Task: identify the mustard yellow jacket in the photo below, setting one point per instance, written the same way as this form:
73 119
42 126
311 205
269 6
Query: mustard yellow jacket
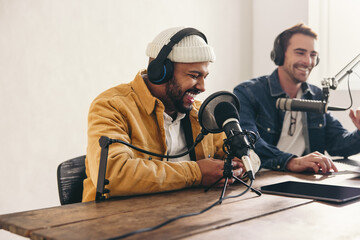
130 113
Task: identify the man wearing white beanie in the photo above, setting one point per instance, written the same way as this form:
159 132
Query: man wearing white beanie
157 112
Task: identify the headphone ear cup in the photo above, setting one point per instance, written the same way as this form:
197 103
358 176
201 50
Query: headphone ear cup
169 70
155 71
272 55
159 73
277 55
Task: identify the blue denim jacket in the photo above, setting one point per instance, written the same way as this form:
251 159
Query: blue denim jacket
259 114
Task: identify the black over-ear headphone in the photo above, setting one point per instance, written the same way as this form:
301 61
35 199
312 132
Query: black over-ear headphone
161 69
278 53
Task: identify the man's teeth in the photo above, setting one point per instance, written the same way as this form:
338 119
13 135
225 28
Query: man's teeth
303 69
191 94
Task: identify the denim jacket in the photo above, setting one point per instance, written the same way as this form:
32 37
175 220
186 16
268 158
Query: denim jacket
259 114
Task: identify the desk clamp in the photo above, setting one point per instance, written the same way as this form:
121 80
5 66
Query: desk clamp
101 191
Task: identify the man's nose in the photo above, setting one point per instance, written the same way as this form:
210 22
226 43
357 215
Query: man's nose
200 85
309 60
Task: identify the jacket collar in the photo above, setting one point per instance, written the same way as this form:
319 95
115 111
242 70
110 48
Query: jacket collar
144 94
276 89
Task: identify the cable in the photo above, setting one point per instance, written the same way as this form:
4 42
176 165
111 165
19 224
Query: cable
149 229
351 99
197 140
350 95
165 223
239 195
348 83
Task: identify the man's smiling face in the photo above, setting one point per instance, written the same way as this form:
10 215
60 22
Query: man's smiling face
187 82
300 57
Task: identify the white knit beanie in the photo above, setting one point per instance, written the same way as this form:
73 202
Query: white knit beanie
190 49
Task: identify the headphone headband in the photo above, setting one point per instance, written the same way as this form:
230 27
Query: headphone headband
186 32
161 69
166 49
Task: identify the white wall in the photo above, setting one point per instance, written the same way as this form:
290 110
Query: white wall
56 56
337 23
269 19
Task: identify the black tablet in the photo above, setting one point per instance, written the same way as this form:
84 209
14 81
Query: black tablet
313 190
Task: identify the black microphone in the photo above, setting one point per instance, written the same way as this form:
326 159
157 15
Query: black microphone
304 105
227 118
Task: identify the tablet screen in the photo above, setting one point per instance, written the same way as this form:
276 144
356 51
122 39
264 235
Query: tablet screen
313 190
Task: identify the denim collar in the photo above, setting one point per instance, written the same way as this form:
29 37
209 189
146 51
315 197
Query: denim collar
276 89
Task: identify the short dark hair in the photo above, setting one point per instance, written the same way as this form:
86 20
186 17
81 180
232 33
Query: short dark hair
285 36
281 42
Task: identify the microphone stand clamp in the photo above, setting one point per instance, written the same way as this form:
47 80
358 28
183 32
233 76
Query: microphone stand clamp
101 191
228 173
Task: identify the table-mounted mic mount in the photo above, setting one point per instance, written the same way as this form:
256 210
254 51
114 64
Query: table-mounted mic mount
102 181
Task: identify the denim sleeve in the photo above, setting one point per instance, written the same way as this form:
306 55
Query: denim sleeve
271 157
339 141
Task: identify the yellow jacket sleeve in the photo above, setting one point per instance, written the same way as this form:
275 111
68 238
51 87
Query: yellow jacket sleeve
130 113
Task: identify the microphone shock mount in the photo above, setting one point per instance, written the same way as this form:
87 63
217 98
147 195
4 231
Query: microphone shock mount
228 167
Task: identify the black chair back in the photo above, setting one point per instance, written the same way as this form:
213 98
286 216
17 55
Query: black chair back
70 177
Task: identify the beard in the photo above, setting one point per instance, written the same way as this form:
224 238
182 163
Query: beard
295 76
176 96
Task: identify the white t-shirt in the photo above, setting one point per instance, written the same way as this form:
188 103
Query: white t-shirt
294 144
175 137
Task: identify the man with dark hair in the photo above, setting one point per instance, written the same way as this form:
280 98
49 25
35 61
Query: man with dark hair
291 140
158 112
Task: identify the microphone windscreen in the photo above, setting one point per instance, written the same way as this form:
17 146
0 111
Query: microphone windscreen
224 111
206 111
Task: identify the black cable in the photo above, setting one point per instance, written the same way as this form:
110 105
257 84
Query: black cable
348 82
165 223
197 140
149 229
251 136
350 95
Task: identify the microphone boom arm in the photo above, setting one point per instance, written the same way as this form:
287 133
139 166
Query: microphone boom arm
348 69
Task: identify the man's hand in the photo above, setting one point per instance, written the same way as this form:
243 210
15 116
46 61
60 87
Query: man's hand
239 165
311 162
212 170
355 117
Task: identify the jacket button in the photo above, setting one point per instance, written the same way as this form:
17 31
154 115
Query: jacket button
320 125
268 129
278 166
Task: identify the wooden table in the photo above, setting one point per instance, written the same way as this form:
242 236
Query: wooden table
246 217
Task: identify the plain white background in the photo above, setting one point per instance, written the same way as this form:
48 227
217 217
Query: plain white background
57 56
